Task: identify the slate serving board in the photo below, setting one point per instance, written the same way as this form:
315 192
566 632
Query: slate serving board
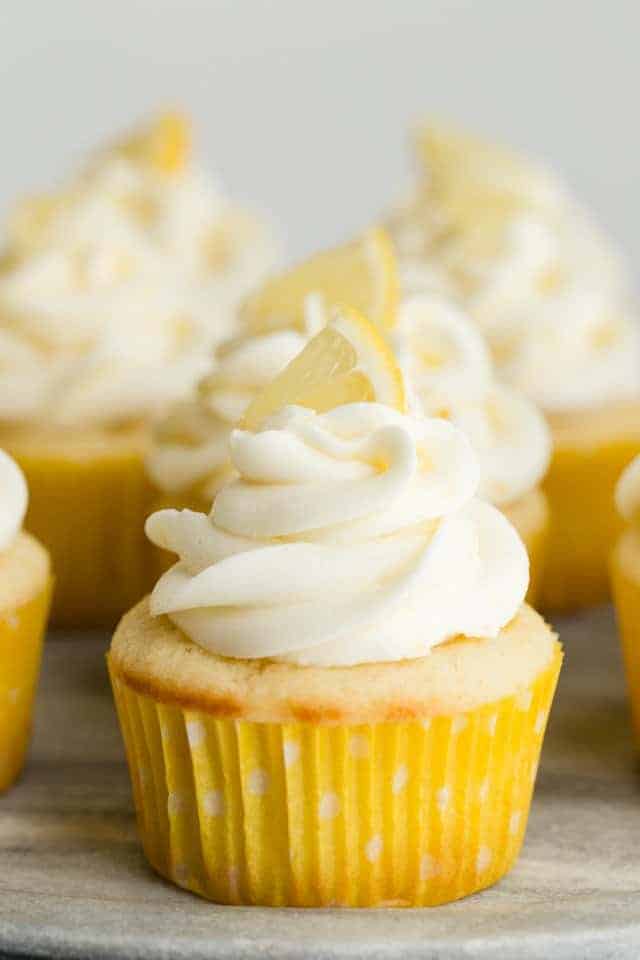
73 882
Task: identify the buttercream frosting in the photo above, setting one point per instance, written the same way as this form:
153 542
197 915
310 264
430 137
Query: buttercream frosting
347 537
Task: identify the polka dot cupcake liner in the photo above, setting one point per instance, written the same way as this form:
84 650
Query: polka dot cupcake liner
89 512
21 635
390 814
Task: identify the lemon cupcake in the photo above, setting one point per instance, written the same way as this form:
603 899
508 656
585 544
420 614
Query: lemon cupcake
336 696
449 370
502 235
188 460
625 582
112 293
25 592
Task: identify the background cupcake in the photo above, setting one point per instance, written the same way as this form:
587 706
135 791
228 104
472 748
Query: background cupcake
112 292
369 748
551 295
625 581
25 592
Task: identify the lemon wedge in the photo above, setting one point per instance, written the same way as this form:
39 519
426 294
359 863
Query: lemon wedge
164 145
349 361
362 273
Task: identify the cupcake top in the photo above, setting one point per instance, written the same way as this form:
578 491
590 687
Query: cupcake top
13 500
348 537
114 289
449 369
501 234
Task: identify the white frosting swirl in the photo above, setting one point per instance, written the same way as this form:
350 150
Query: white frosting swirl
191 448
348 537
548 291
13 500
449 369
627 493
113 292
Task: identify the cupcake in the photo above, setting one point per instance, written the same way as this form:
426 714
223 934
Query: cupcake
113 292
449 369
25 592
336 696
189 460
625 582
551 295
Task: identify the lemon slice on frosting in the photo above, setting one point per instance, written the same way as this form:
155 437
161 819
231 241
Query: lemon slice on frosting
164 145
349 361
361 273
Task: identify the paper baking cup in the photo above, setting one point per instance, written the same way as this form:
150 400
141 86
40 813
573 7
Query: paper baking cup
626 596
21 634
90 515
403 814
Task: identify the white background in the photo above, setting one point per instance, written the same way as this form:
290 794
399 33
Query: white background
303 106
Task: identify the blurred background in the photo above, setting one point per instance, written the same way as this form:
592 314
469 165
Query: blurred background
302 107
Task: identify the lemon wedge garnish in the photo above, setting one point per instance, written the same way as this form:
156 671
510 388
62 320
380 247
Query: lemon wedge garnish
164 145
349 361
362 273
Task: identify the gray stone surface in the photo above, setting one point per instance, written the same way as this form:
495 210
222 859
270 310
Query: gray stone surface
73 882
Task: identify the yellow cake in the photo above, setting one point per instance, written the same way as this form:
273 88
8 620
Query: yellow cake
25 591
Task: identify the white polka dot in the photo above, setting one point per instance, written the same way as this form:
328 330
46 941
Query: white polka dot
291 751
492 723
483 860
213 803
524 700
175 803
514 822
373 849
483 792
233 875
258 782
329 806
181 874
428 867
426 723
442 797
400 778
195 732
14 694
358 746
540 721
12 620
459 724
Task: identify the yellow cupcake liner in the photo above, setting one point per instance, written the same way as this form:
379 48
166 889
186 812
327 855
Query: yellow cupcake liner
580 488
408 814
21 635
90 515
626 596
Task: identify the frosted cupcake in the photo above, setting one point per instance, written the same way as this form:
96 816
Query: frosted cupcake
25 591
551 295
112 293
449 369
340 666
625 581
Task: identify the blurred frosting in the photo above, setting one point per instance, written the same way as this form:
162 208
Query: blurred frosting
449 370
190 449
13 500
114 289
347 537
552 296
